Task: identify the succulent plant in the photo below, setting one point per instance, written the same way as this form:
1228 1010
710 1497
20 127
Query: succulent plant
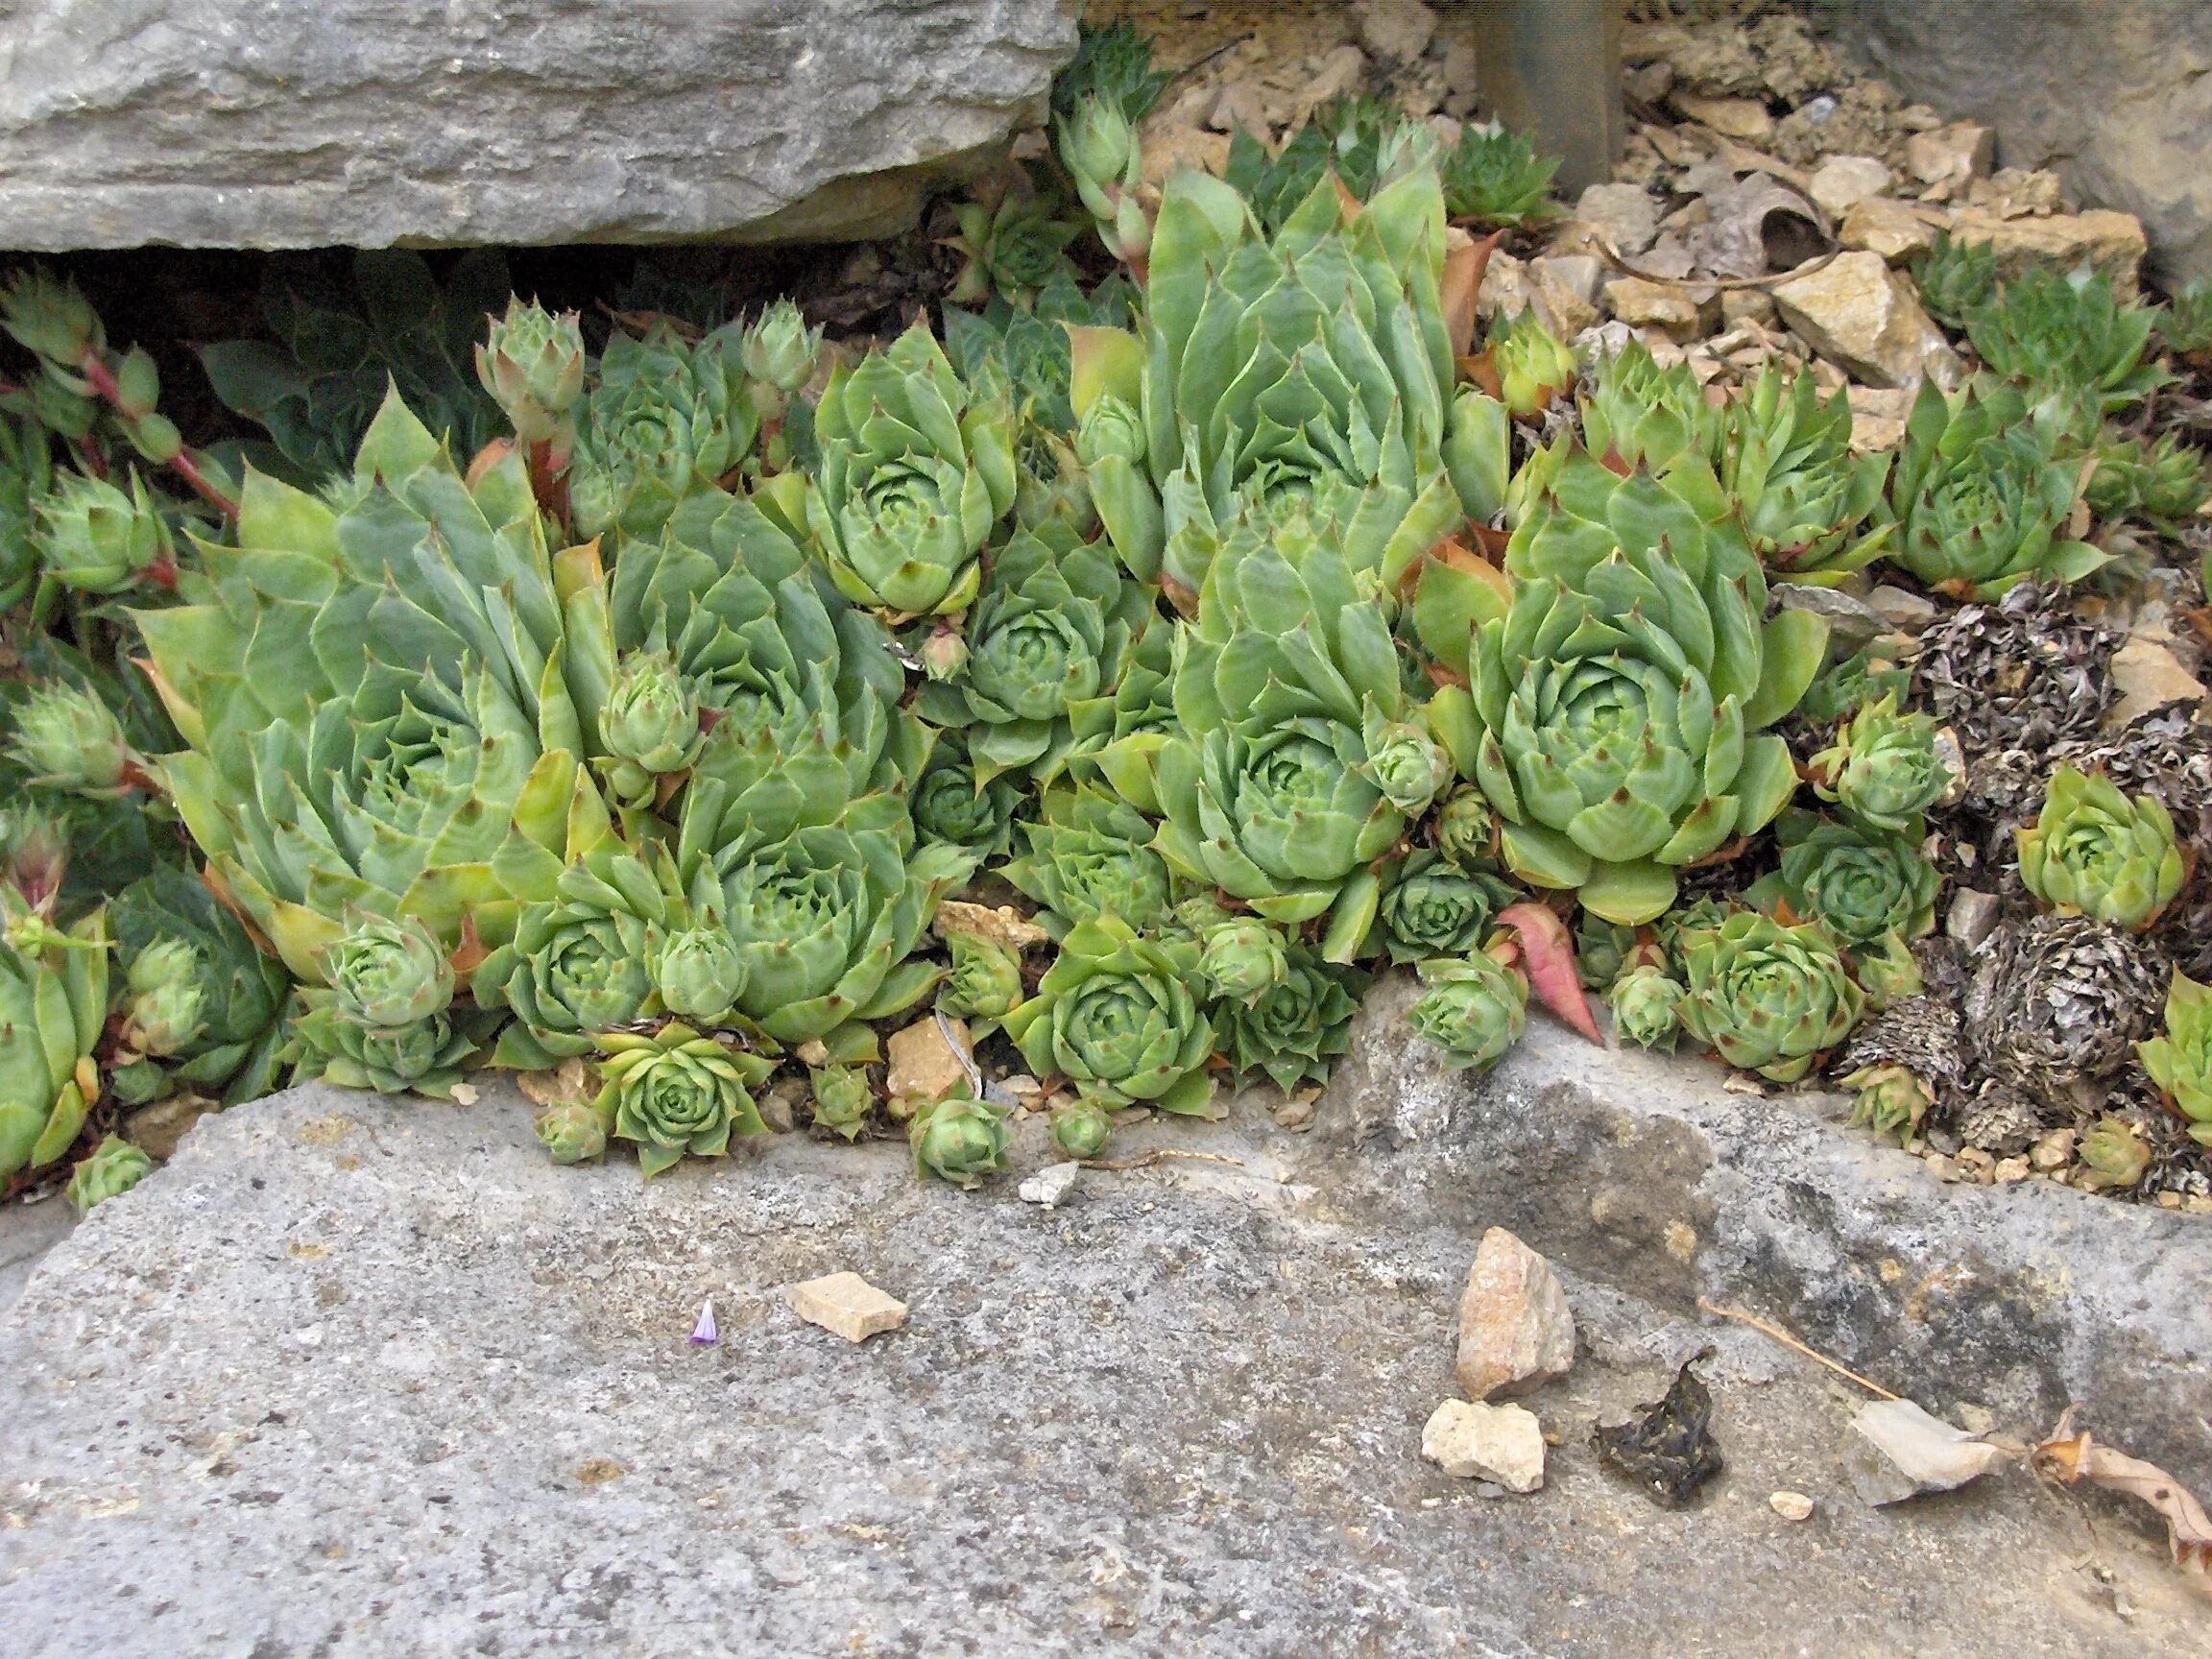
986 978
667 418
1533 367
573 1131
678 1092
1955 279
1846 686
1240 957
26 473
1980 502
1494 175
1859 884
52 1004
67 738
1618 711
97 538
1082 1128
1467 829
1118 1017
1431 908
1767 998
1118 739
2180 1058
1805 497
1638 414
1647 1003
531 363
1088 854
2160 482
779 350
1888 1099
914 474
375 699
699 972
1011 248
2094 852
1473 1010
1097 103
386 973
427 1057
1110 445
1885 769
2114 1155
1358 143
2044 328
951 806
2185 325
1907 1063
1048 630
1297 1027
842 1099
1604 951
959 1139
113 1169
2057 1002
650 727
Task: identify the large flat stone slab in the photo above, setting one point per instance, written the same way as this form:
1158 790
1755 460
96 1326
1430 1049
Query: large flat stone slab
380 123
361 1377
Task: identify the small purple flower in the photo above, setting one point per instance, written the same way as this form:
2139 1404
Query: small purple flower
705 1331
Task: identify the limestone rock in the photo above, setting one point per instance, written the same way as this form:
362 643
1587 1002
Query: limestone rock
1857 313
1397 30
1624 215
1477 1442
1643 304
1515 1331
1897 1450
1841 181
1894 229
846 1304
925 1064
2112 242
2148 676
1878 417
1744 118
370 123
1951 154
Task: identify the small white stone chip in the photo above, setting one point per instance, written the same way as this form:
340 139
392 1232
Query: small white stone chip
1050 1185
848 1305
1474 1441
1790 1506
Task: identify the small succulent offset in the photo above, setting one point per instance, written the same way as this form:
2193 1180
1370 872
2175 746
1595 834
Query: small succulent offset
1472 1012
95 537
959 1139
380 1019
67 738
1533 367
1082 1128
113 1169
531 362
677 1091
1805 497
1494 175
1296 1028
573 1131
1767 998
986 978
2045 329
915 473
1117 1016
2186 324
1956 278
1883 769
1011 247
2180 1058
668 419
1647 1003
1240 955
178 944
52 1004
842 1099
2094 852
1860 883
1097 103
2114 1155
1890 1100
1087 854
1434 908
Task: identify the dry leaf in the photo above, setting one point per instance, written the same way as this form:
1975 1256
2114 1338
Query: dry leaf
572 1081
1002 924
2079 1457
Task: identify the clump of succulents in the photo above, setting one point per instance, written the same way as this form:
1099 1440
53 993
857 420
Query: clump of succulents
1494 175
1295 1027
668 419
1955 279
677 1091
2180 1058
2049 330
179 945
1354 143
2094 852
1805 497
1766 997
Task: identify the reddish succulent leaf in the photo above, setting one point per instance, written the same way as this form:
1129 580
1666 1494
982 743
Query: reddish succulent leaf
1465 260
1548 952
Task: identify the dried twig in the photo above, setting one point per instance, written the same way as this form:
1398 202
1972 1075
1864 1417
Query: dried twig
1788 1342
1155 1156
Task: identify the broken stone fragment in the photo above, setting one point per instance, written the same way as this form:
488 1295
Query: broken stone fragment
929 1059
1471 1441
846 1304
1897 230
1842 181
1859 315
2112 242
1516 1329
1897 1450
1952 154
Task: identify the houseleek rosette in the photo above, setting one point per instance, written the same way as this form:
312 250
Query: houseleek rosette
1117 1014
572 1131
1955 277
1050 630
1767 998
1883 769
1296 1027
1647 1003
842 1099
825 918
1300 374
1473 1010
113 1169
1495 176
98 538
52 1004
1532 365
1088 855
1081 1129
1431 907
1979 501
2045 328
666 419
383 1015
1860 882
2180 1058
952 806
1786 460
531 361
2094 852
381 709
959 1139
1240 955
66 737
985 982
914 474
678 1092
1616 721
1643 415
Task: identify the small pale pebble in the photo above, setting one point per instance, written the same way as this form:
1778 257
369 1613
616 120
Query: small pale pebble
2054 1151
2011 1170
846 1304
1050 1185
2169 1200
1940 1167
1791 1505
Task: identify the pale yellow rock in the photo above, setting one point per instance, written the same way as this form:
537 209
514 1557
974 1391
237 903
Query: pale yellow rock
1877 417
1842 181
847 1305
1000 924
1790 1506
1516 1329
1860 316
1654 306
1744 118
924 1066
1894 229
2148 676
1169 148
1478 1442
1951 154
2112 242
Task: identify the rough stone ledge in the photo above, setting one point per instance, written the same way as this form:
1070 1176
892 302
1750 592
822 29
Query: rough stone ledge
1644 1171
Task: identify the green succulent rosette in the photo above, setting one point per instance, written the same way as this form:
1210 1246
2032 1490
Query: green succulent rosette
2180 1058
573 1131
1534 367
2049 330
113 1169
1011 250
951 806
65 738
700 973
1888 1099
1979 501
2094 852
1767 998
1088 855
1955 279
1494 175
1643 415
842 1099
1296 1028
914 474
1860 883
650 727
1119 736
1430 907
985 983
826 917
779 350
1050 630
1805 498
52 1006
1883 769
427 1057
1082 1128
1240 955
960 1139
26 473
2114 1155
666 419
1845 688
1647 1005
531 363
1110 445
380 708
98 538
678 1092
1466 830
162 999
1617 713
1117 1014
387 972
1472 1012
